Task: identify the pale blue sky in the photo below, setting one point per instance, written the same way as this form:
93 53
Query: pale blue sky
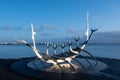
56 18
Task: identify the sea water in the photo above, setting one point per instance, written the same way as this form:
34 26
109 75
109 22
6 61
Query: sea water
21 51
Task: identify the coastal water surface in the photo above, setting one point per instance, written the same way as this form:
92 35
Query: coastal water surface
20 51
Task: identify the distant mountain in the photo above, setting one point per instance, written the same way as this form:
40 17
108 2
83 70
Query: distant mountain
110 37
8 43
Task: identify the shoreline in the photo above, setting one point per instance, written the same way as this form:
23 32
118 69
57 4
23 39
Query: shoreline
7 74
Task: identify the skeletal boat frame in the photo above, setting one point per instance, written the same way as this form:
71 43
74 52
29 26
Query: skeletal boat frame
64 56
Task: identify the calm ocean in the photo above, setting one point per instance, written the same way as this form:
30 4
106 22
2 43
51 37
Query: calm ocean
19 51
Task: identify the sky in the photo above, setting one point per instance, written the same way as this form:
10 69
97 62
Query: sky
59 19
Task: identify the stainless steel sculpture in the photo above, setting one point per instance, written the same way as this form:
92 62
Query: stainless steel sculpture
66 61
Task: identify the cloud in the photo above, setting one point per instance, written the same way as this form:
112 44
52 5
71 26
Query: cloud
46 34
71 31
10 28
47 30
95 17
47 26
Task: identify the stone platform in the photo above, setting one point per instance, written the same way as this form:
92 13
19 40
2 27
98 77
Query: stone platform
27 67
43 66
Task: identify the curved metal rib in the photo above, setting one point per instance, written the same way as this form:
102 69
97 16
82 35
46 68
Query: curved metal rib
34 46
63 46
87 61
79 63
84 44
91 56
70 65
78 49
47 46
59 67
54 47
77 52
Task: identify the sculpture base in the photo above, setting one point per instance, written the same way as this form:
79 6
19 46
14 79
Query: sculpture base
26 67
65 67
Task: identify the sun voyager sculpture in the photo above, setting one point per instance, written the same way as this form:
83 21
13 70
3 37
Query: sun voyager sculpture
71 61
